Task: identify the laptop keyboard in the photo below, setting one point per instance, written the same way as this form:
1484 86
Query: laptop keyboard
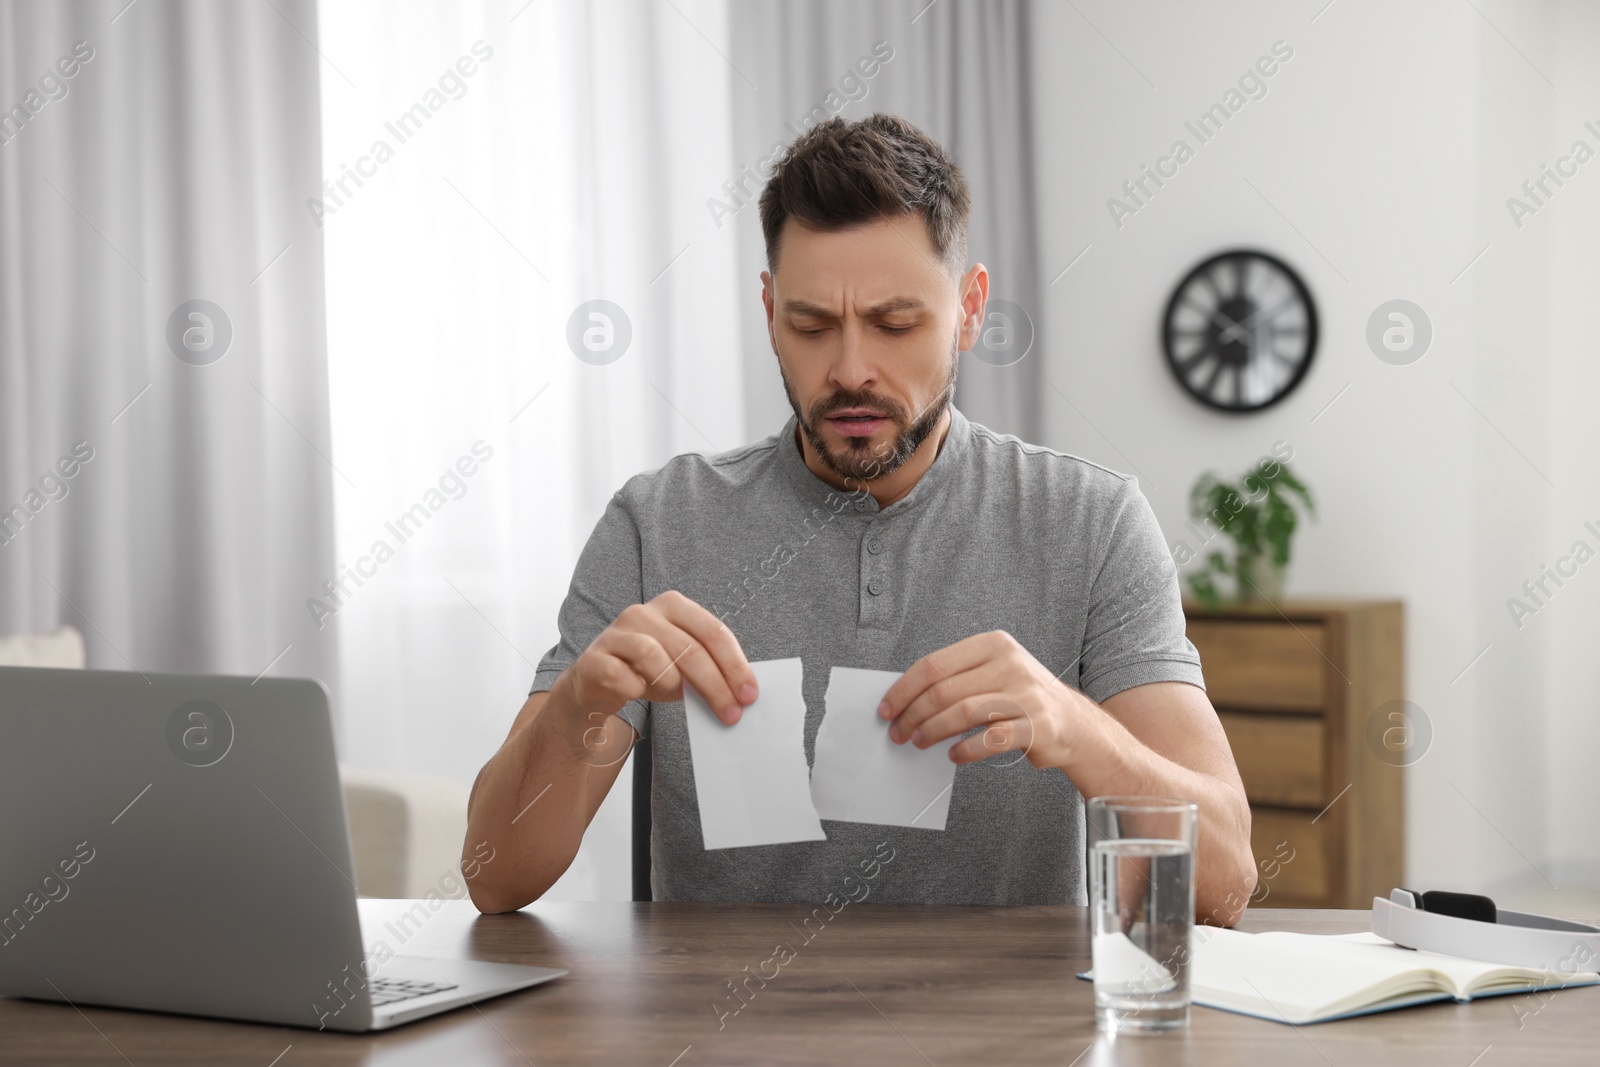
388 990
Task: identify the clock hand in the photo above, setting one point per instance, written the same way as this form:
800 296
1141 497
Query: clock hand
1232 333
1235 328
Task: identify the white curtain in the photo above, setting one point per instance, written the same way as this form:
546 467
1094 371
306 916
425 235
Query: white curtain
172 502
555 154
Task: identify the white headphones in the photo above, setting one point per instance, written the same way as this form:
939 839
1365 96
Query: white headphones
1470 926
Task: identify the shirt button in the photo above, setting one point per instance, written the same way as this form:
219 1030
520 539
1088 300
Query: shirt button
863 505
875 586
874 546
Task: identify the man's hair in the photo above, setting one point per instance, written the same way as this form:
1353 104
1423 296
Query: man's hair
839 174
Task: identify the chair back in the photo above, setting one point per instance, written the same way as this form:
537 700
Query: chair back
641 818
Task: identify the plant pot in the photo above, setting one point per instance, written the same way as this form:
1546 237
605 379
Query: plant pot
1260 580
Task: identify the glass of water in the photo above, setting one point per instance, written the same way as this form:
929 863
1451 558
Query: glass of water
1141 908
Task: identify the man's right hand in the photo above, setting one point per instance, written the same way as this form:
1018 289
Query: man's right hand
650 651
533 800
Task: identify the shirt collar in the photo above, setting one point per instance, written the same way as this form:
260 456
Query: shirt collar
952 454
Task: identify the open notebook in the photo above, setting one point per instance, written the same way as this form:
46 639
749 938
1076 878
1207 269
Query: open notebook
1313 978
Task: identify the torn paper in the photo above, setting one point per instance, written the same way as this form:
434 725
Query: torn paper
860 775
751 778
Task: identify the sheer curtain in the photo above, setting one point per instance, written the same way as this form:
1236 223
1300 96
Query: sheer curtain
172 501
492 169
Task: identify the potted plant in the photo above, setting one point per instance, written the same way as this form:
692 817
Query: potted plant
1259 514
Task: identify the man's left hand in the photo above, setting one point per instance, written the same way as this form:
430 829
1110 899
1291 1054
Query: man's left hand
986 680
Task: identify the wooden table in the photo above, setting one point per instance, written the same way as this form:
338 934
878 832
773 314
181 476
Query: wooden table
878 985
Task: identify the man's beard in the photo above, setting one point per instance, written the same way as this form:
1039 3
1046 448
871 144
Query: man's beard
859 462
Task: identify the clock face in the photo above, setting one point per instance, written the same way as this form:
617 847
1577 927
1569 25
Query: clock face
1240 331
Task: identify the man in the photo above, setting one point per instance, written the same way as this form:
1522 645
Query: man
1026 594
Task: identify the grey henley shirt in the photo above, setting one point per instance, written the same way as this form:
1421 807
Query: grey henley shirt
998 534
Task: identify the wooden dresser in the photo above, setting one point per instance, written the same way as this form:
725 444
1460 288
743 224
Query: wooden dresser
1295 689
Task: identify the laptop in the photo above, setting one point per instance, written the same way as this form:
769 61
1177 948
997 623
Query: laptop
178 843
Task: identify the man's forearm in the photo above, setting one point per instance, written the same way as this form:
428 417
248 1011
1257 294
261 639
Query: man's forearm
1105 759
531 804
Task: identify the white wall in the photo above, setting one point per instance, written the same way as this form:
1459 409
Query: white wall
1570 627
1516 489
1377 164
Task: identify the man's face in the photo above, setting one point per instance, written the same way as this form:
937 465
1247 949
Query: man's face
867 325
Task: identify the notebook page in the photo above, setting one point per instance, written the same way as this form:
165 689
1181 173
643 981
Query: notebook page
1469 977
1301 977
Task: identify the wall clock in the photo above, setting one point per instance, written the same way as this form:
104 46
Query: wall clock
1240 331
